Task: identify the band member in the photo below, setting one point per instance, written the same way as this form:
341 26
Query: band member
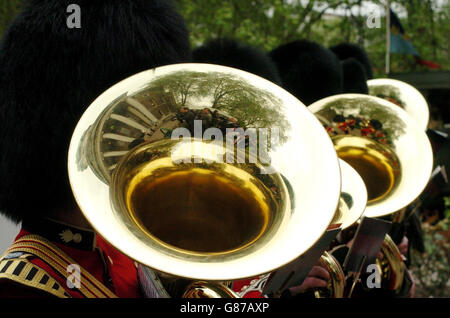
308 70
232 53
49 74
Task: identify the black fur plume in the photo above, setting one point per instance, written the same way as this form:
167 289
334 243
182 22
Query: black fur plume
229 52
355 79
308 70
49 74
347 50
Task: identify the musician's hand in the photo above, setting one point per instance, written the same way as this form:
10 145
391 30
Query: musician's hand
403 246
318 277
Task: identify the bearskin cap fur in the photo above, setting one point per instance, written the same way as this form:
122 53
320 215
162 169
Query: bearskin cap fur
232 53
308 70
355 79
347 50
49 74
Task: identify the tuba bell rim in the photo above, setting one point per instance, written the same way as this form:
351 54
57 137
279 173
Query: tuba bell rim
415 103
354 187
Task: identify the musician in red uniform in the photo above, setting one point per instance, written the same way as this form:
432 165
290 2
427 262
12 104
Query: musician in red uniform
50 71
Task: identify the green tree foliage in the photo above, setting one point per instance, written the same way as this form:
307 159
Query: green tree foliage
8 10
269 23
228 93
264 23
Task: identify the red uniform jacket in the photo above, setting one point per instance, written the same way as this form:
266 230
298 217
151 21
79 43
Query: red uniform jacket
110 267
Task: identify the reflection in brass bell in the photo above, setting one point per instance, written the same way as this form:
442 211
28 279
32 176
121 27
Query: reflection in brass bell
403 95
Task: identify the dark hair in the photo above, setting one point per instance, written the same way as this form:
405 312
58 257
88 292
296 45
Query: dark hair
232 53
50 73
308 70
355 79
347 50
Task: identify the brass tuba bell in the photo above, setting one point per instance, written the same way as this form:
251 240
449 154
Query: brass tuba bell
387 148
204 172
383 143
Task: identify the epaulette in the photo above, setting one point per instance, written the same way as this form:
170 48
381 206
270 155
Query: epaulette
17 268
60 262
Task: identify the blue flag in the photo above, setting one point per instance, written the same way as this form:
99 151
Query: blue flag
399 40
400 43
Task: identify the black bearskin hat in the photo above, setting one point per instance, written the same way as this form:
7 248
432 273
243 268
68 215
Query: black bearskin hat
347 50
229 52
50 73
355 79
308 70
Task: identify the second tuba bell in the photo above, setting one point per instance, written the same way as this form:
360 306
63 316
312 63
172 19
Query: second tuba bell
389 150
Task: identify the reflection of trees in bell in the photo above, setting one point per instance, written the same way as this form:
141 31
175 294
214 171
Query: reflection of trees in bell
251 106
182 84
388 92
364 108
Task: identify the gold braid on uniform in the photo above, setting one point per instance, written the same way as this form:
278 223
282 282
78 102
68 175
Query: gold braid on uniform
17 268
59 261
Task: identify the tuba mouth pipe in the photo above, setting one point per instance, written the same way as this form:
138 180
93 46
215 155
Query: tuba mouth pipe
169 209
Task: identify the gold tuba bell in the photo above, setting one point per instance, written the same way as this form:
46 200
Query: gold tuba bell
205 173
390 151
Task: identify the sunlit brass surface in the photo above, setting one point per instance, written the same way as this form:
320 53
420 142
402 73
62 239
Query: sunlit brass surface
208 290
376 163
403 95
198 209
352 205
383 143
336 284
353 200
123 158
196 191
391 265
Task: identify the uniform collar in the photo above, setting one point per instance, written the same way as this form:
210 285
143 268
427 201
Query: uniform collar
62 233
